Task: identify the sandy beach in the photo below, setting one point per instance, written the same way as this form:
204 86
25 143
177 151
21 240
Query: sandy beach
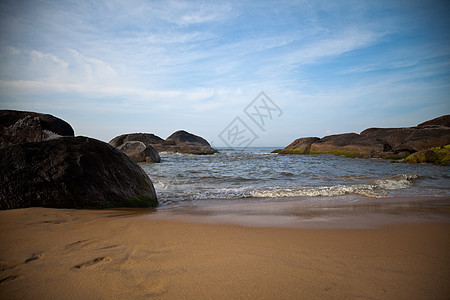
122 254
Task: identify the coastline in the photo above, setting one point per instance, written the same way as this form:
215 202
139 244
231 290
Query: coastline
339 212
177 253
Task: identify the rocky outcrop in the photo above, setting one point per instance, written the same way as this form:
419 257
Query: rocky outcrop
439 121
299 146
71 172
410 139
180 141
378 142
147 138
139 152
22 126
348 144
185 142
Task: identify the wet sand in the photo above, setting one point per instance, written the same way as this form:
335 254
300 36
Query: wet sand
205 253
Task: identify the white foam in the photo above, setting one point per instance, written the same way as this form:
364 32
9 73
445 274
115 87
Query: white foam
378 189
400 181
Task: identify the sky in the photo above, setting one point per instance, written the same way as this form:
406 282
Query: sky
110 67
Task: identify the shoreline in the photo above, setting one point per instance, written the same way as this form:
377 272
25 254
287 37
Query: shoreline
340 212
172 254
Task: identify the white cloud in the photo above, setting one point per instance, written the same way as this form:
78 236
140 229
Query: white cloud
342 42
185 13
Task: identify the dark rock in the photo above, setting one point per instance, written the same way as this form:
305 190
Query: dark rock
389 143
139 152
22 126
348 144
71 172
440 121
299 146
147 138
185 142
410 139
395 155
180 141
424 156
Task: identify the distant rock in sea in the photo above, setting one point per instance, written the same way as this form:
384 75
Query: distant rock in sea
180 141
348 144
42 167
23 126
299 146
147 138
390 143
185 142
140 152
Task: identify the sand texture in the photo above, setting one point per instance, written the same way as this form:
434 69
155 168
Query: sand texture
83 254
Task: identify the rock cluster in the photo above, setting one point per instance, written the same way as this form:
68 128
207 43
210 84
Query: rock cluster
64 171
180 141
392 143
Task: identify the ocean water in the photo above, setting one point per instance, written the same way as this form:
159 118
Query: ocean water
235 174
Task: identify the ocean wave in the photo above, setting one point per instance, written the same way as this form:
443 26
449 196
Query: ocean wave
396 182
378 189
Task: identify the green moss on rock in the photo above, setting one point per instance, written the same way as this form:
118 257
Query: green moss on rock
436 155
443 155
291 151
424 156
338 153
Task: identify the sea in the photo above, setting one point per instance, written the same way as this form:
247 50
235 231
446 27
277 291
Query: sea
254 173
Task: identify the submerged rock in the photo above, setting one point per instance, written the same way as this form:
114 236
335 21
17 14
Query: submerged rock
140 152
71 172
22 126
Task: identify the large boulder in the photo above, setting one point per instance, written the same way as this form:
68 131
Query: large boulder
299 146
139 152
71 172
180 141
23 126
147 138
348 144
410 139
185 142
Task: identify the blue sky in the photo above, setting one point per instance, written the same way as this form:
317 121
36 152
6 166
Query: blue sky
114 67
